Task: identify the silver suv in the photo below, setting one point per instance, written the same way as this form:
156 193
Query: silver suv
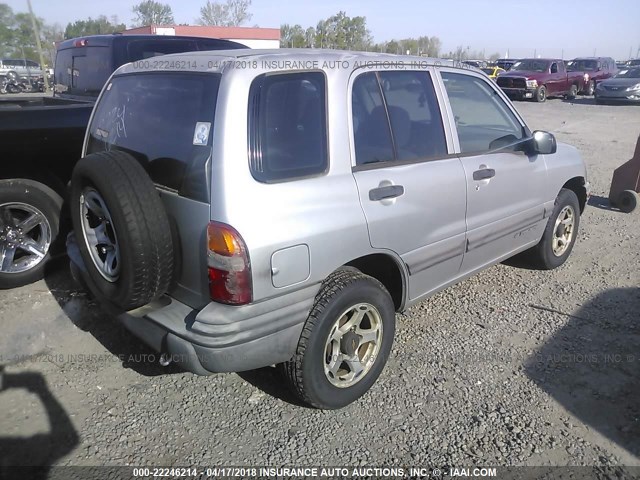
243 209
17 68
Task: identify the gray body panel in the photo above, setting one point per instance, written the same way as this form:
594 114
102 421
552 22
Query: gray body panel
443 227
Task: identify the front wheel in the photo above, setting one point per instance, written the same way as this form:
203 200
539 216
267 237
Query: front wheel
559 236
541 94
345 341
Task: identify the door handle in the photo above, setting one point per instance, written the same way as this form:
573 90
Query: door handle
484 174
384 193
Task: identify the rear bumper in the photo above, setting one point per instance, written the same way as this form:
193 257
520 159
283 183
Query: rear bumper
221 338
218 338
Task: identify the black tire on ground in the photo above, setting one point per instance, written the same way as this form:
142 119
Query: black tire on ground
542 255
628 201
41 199
345 288
541 94
591 88
573 92
139 228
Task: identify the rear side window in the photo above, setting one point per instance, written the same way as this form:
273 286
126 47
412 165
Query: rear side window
142 49
165 120
396 118
288 126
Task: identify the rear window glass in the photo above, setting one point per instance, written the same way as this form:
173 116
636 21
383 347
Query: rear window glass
142 49
165 120
82 71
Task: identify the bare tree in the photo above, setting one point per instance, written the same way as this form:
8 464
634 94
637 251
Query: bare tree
229 14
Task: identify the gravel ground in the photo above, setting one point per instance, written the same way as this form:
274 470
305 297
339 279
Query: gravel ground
511 367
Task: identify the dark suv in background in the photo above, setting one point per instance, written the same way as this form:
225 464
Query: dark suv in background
594 70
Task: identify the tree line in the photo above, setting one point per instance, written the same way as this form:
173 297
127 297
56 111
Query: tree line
338 31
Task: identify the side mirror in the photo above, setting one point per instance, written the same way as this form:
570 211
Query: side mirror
543 143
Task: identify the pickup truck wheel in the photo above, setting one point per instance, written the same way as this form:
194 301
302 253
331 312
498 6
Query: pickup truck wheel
29 225
560 234
591 87
122 230
541 94
573 92
345 341
628 201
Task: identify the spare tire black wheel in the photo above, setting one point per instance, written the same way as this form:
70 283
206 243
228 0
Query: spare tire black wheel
122 230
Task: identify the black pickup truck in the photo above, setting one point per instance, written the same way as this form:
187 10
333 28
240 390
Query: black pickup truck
41 139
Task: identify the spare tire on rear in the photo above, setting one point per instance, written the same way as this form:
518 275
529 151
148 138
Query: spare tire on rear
122 230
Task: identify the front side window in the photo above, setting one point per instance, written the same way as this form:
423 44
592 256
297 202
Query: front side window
483 120
406 102
288 126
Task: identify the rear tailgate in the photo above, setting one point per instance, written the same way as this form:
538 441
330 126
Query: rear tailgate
165 120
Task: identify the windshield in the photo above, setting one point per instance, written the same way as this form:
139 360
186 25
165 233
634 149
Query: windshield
531 66
165 120
631 73
582 65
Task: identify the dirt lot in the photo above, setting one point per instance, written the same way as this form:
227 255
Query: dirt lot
511 367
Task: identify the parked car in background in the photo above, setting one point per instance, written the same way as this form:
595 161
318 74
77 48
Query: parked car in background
624 87
41 140
593 70
493 72
475 63
15 69
373 198
633 63
539 78
505 63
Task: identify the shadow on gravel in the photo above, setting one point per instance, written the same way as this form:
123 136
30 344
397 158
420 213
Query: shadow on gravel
581 100
42 449
602 203
592 366
87 315
270 381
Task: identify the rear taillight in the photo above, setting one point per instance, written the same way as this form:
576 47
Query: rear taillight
229 266
81 42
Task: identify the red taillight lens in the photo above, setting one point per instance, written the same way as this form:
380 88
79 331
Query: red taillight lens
229 266
81 43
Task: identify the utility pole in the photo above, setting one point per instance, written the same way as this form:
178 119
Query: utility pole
38 46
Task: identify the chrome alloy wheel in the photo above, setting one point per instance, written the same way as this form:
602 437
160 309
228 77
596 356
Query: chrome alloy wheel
25 237
563 231
99 234
353 345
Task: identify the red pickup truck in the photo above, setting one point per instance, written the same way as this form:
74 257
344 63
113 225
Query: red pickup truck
539 78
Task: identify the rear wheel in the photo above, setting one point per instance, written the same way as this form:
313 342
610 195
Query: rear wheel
122 230
591 88
573 92
541 94
345 341
29 225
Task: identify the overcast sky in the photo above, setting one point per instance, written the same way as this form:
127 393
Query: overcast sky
521 27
